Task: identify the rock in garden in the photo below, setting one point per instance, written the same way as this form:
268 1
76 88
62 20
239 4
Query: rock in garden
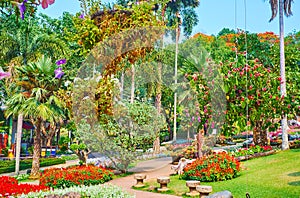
52 196
222 194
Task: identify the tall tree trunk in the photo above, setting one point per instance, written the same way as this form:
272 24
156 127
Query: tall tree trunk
260 137
132 84
175 94
156 143
285 142
52 131
35 171
122 85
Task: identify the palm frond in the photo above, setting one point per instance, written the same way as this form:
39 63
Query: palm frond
274 8
39 93
288 7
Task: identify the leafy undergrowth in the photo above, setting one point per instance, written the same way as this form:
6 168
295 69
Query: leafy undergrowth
96 191
275 176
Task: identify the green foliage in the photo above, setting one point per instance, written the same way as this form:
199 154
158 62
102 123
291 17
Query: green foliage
212 168
63 143
260 173
69 157
259 79
118 136
9 165
251 150
80 146
3 128
225 31
4 151
189 19
22 177
105 23
188 152
25 41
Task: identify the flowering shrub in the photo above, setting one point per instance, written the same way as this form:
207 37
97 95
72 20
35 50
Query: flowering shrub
75 176
251 150
9 187
211 168
85 191
188 152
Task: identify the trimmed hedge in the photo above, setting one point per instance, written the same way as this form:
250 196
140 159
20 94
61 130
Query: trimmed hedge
8 166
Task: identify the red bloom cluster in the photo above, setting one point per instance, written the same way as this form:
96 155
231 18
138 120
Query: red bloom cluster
9 187
74 176
216 167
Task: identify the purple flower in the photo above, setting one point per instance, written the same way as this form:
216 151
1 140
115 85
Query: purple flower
61 62
81 16
4 75
187 115
22 8
199 119
58 73
193 118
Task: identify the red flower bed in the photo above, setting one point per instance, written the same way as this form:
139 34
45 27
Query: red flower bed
74 176
9 187
217 167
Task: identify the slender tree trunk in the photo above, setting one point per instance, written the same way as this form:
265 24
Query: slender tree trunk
156 143
175 94
285 142
260 137
35 171
132 84
122 85
50 135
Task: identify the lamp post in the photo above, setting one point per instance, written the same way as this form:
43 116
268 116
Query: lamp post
175 73
18 142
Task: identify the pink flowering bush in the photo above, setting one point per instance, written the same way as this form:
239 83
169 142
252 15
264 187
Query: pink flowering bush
251 150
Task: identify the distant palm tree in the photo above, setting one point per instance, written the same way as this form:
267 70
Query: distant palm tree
180 13
29 49
284 6
26 41
35 99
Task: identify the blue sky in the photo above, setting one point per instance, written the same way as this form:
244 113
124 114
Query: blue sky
215 15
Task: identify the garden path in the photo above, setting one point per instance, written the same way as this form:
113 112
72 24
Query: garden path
152 168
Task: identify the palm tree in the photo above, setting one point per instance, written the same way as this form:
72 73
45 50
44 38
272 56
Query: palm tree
284 7
26 41
35 98
172 12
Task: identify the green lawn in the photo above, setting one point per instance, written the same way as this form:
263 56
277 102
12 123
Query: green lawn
274 176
